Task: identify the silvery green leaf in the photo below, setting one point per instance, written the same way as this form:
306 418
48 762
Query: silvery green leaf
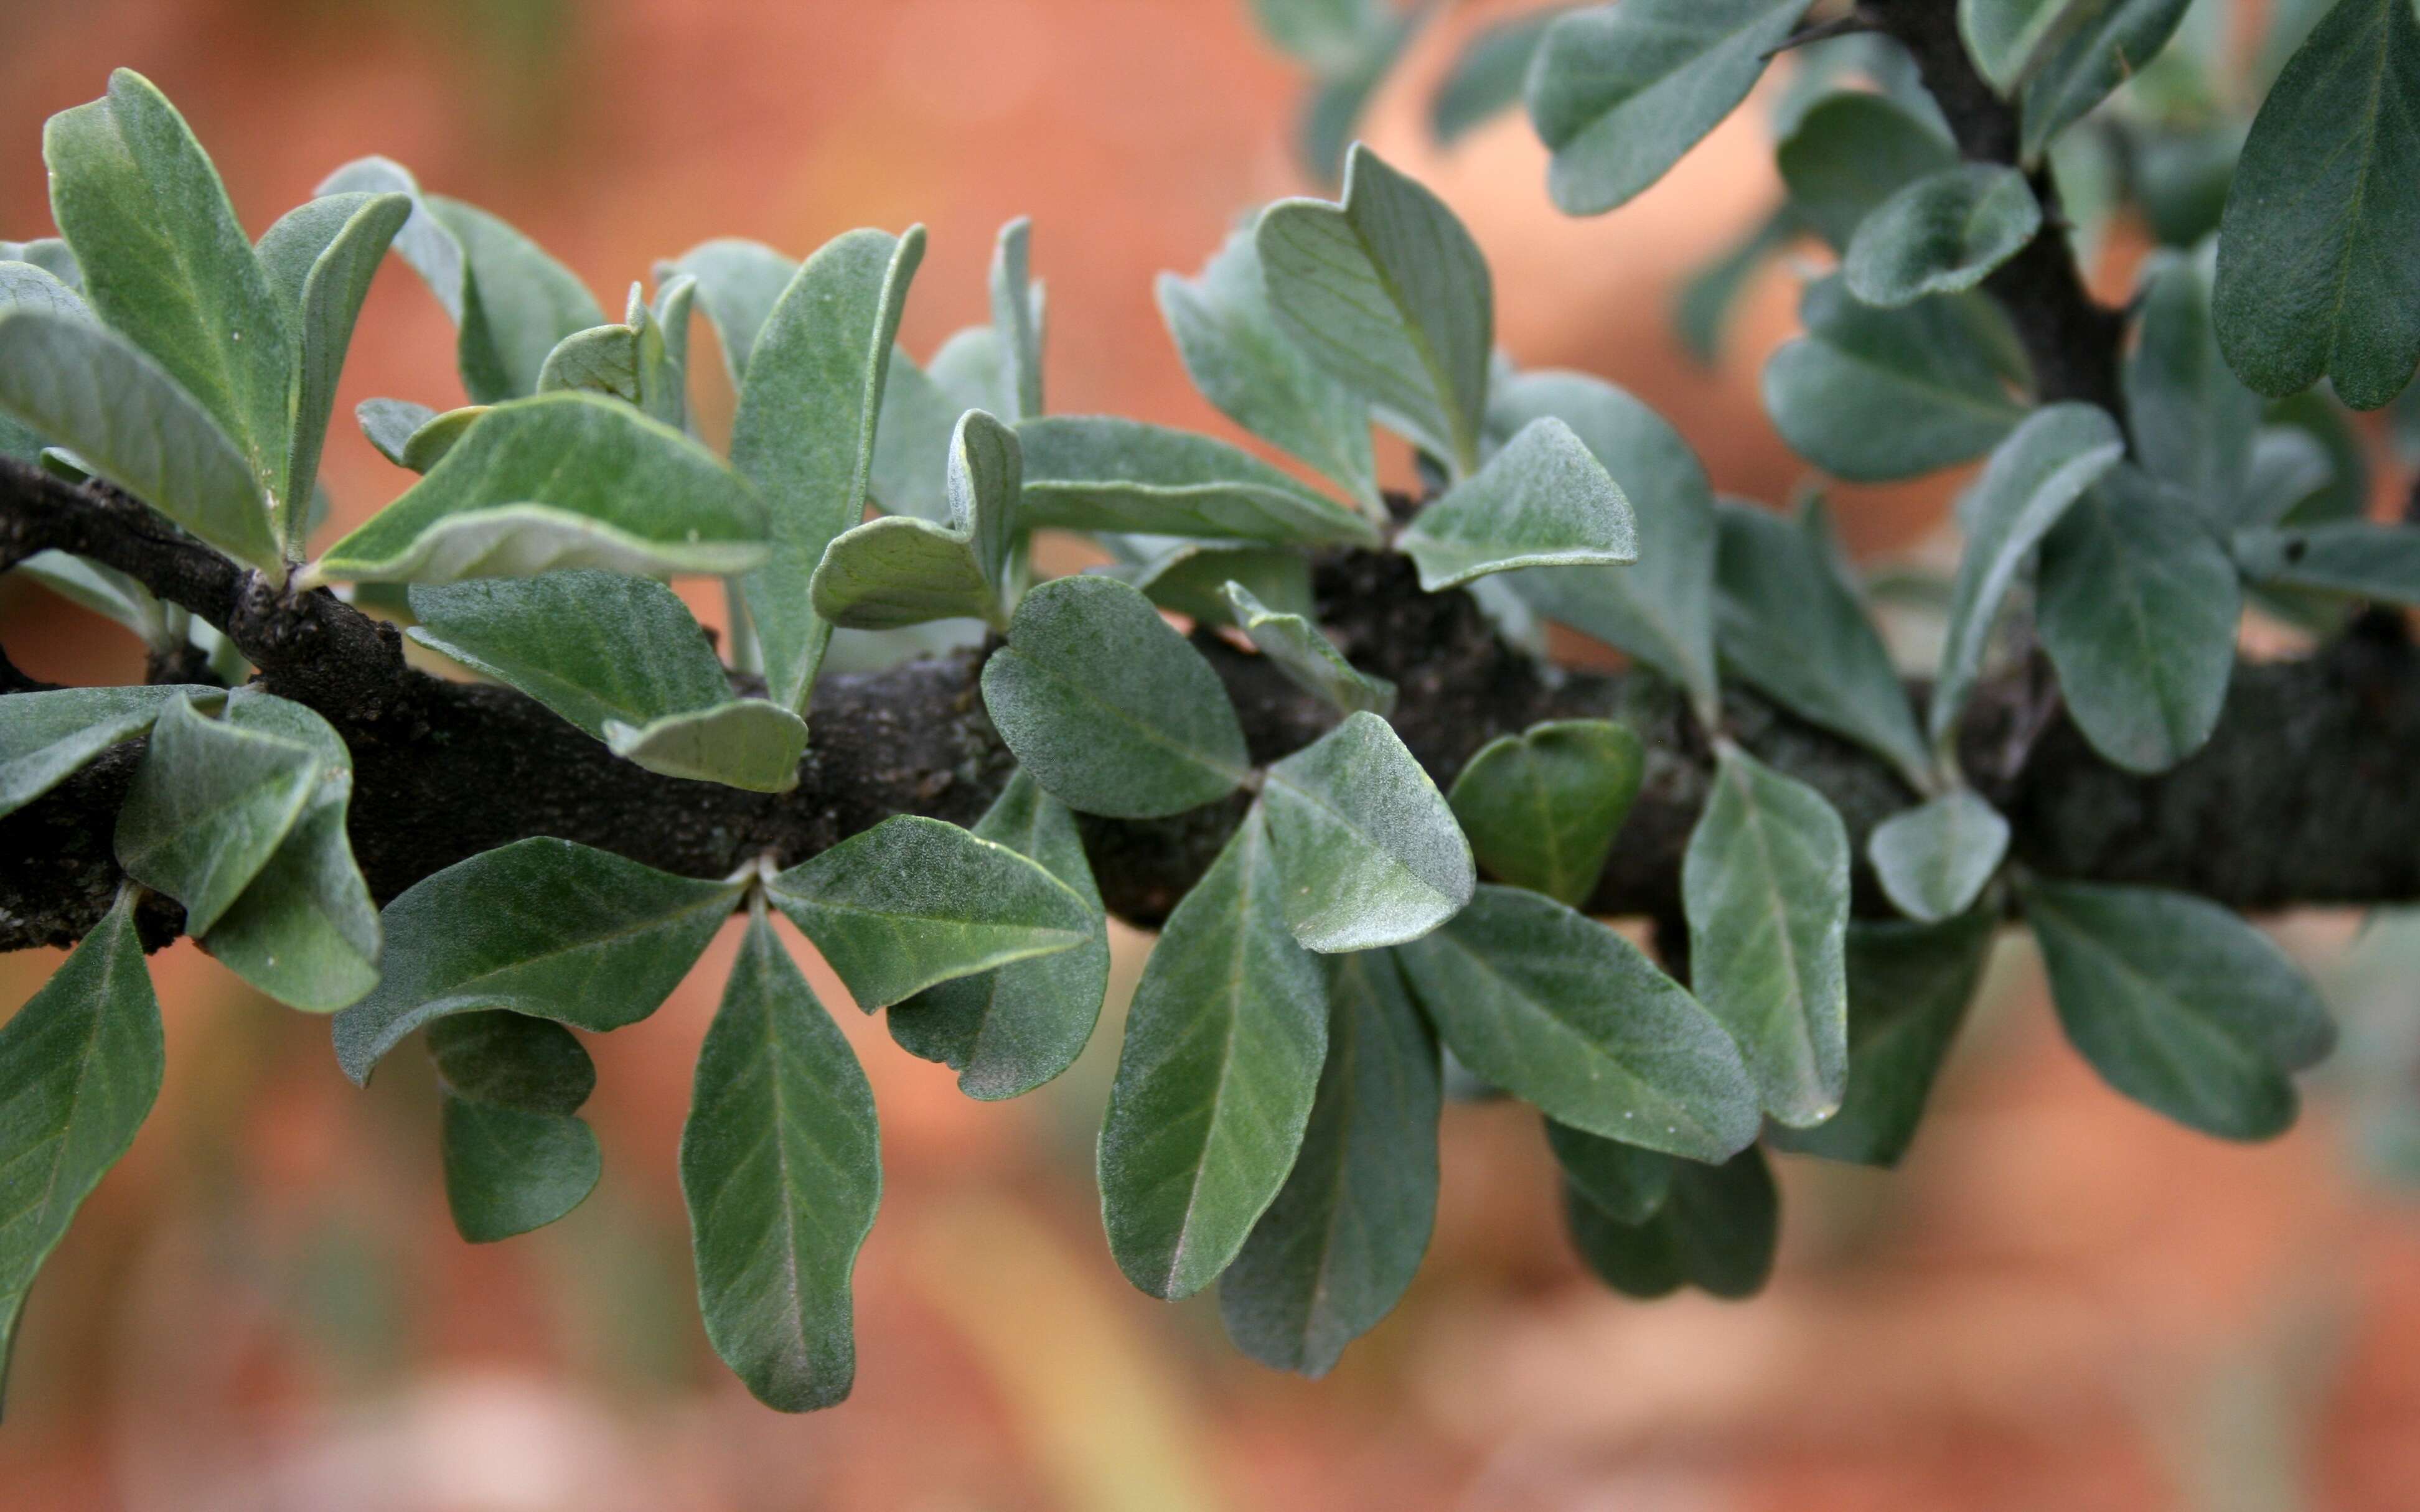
1097 473
1008 1030
80 1067
303 930
1716 1229
599 360
1488 73
23 287
2316 275
1333 35
901 570
739 282
319 260
1942 234
2032 480
1625 1182
1791 623
1191 578
168 266
595 647
208 806
2099 45
1388 292
971 370
508 1171
741 743
1346 1233
1850 152
1109 708
2180 1004
913 902
2195 424
1016 313
1619 92
1216 1077
438 435
49 254
2379 562
781 1165
804 432
1544 501
510 301
2137 605
390 424
108 593
1542 808
1909 986
1309 659
45 737
1368 849
912 442
1765 886
1665 615
1245 365
1561 1011
543 927
1876 396
561 481
1933 859
79 385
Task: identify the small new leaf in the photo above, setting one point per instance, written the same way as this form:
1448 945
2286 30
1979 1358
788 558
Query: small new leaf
1717 1229
1308 658
1545 501
901 570
1933 859
1944 233
210 805
1542 808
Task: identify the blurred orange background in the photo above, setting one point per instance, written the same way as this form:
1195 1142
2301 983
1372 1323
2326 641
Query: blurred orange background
2060 1300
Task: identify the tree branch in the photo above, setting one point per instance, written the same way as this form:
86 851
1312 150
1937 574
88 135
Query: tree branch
2302 796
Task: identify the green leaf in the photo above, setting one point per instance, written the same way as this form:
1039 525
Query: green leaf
1876 396
744 743
901 571
208 807
2137 606
1544 501
970 371
1388 293
49 254
319 260
2099 45
1944 233
781 1164
912 442
1619 92
85 388
1244 363
1664 615
2180 1004
2379 562
25 286
1336 1247
511 302
913 902
2032 480
1308 658
1717 1230
2006 38
2316 274
739 282
390 424
595 647
168 266
1791 623
1191 578
1765 885
805 431
1705 303
1097 473
663 348
1487 76
515 1157
1853 152
1008 1030
1625 1182
303 930
599 360
1560 1011
1542 807
1366 845
564 480
1909 988
1109 708
80 1067
1016 314
543 927
109 594
1217 1078
1933 859
1333 35
2195 424
45 738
